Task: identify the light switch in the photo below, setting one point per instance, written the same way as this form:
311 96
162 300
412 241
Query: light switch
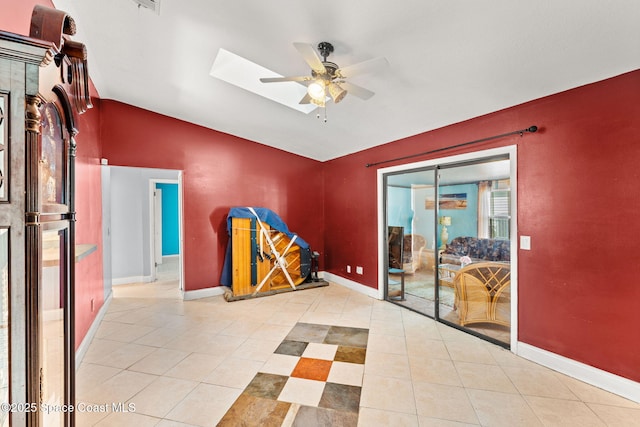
525 243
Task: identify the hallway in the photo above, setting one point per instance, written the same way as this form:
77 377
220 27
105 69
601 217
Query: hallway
185 363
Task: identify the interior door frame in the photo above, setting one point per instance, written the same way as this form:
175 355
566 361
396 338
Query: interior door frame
511 151
152 188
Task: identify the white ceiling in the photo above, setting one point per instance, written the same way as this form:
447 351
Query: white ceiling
449 60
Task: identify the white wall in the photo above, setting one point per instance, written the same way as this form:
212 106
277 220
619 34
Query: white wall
130 235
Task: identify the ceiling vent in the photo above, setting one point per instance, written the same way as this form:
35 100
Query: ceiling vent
153 5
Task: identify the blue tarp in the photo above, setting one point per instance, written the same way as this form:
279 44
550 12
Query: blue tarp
265 215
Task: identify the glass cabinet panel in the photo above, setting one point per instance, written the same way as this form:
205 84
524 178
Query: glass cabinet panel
4 324
4 143
52 323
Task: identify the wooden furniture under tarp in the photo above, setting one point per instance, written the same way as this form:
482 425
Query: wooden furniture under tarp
265 257
483 293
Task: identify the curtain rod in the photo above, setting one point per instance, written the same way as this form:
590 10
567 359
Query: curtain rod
520 132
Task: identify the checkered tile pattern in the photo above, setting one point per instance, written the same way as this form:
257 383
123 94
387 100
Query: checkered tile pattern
313 378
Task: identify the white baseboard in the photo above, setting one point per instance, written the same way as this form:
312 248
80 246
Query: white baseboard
203 293
597 377
128 280
86 341
354 286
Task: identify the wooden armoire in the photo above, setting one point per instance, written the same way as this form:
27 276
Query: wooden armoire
43 86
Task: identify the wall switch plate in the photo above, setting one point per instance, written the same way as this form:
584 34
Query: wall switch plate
359 270
348 269
525 243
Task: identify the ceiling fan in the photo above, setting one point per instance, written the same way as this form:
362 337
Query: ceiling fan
327 79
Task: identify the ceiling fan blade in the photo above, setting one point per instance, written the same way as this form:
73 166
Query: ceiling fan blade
311 57
285 79
362 67
306 99
356 90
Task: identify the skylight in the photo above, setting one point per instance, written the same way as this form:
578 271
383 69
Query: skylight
245 74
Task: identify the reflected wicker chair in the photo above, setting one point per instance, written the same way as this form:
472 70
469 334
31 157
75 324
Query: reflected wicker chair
483 293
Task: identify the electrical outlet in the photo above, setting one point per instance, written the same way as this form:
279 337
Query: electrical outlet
359 270
525 243
348 269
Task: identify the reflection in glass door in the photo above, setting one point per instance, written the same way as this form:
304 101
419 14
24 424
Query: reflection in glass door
474 267
411 282
456 225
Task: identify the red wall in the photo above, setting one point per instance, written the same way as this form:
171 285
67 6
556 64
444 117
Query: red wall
15 16
578 199
220 171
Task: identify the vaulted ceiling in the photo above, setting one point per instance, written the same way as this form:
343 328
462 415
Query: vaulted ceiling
448 60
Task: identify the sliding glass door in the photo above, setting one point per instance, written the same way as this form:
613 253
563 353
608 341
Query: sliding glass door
411 240
451 225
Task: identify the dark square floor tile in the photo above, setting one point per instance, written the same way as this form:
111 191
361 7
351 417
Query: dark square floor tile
312 369
308 332
291 348
267 386
351 337
341 397
350 354
251 411
322 417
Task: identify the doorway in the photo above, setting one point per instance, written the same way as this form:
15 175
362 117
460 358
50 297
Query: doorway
456 216
130 232
165 229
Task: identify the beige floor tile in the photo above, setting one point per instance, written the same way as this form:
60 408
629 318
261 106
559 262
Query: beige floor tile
120 388
427 348
484 377
125 356
384 327
591 394
302 391
196 367
99 348
222 346
280 364
158 337
444 402
387 343
437 371
255 349
271 332
469 351
375 417
538 382
86 417
615 415
161 396
402 399
170 423
320 351
159 362
563 413
127 332
346 373
502 409
90 376
436 422
242 328
234 373
119 419
387 365
205 405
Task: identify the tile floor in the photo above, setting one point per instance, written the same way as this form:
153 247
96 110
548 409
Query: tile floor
188 363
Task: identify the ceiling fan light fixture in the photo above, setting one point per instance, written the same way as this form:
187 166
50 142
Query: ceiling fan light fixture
336 92
316 90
